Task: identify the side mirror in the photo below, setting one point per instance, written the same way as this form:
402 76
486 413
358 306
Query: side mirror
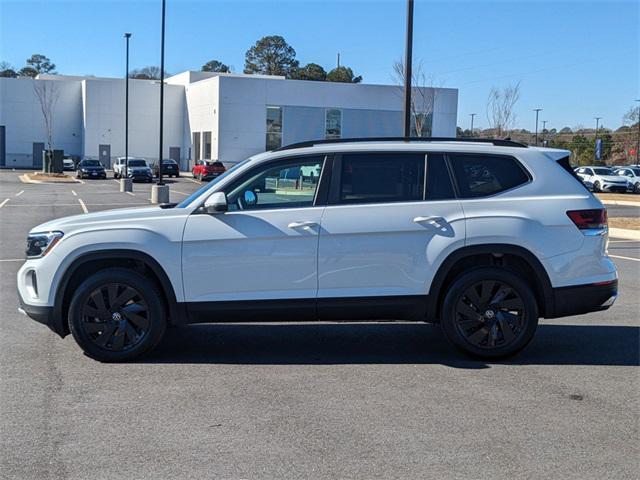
216 203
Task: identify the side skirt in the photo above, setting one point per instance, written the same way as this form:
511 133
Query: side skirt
407 308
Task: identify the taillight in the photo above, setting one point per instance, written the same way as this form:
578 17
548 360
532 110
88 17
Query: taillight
588 219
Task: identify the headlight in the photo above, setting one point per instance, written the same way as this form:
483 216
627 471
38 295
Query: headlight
38 244
84 170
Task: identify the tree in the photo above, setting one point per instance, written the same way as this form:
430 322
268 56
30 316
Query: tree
151 72
215 66
6 70
344 75
311 71
47 94
41 63
500 104
28 72
632 116
423 96
271 55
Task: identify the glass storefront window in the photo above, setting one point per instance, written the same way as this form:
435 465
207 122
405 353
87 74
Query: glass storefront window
333 123
274 128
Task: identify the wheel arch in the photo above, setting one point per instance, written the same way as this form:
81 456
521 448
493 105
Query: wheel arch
90 262
513 257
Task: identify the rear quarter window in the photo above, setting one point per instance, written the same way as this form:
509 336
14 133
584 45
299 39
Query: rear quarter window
485 175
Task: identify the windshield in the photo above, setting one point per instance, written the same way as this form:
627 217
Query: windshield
187 201
636 171
91 163
602 171
137 163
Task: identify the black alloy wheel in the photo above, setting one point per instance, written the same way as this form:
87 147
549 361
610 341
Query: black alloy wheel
116 315
489 312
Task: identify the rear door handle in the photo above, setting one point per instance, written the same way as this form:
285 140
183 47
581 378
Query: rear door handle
431 220
302 224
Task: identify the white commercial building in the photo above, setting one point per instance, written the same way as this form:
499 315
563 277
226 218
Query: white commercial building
225 117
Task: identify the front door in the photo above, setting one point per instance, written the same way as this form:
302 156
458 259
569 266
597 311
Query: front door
265 246
382 233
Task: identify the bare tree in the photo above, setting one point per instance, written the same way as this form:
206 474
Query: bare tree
423 95
500 104
47 93
152 72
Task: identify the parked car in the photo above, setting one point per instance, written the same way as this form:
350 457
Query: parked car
207 169
482 236
68 164
88 168
170 168
601 179
139 171
119 165
632 174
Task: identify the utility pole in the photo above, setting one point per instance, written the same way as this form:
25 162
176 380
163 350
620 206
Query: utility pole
126 183
595 141
537 110
408 59
472 115
160 191
338 60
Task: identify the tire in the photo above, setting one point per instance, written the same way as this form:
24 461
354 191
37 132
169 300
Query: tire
129 323
115 175
483 329
636 188
596 187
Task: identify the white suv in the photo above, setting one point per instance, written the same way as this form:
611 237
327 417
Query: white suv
483 237
601 179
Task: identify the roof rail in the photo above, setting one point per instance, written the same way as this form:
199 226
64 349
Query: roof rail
494 141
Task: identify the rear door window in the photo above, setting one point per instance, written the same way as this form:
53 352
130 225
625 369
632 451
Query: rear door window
381 177
485 175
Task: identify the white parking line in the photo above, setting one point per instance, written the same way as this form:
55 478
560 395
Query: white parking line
4 203
180 193
19 193
74 193
12 260
84 207
625 258
193 180
131 193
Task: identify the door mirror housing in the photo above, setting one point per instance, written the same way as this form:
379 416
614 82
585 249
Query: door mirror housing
216 203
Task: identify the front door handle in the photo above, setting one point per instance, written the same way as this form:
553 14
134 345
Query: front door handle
302 224
430 220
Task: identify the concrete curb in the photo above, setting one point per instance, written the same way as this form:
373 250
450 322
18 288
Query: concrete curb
624 233
25 179
627 203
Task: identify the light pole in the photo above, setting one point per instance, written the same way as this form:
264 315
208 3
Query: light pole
408 58
126 183
160 191
638 142
537 110
595 141
472 115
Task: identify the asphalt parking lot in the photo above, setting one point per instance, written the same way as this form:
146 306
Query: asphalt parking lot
310 401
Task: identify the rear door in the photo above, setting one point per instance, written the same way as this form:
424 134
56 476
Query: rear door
385 228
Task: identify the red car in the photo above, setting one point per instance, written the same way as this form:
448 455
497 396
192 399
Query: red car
207 169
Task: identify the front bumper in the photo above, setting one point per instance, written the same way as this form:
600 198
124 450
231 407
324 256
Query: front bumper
580 299
614 187
42 314
141 177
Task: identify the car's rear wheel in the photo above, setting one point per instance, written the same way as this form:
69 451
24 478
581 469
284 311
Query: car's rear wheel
489 313
117 315
636 188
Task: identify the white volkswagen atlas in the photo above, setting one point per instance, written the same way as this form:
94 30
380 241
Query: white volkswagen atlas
483 237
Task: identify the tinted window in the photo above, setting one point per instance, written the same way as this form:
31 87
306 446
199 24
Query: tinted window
381 178
483 175
602 171
91 163
137 163
438 181
290 184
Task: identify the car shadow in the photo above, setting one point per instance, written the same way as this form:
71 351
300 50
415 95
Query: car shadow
384 343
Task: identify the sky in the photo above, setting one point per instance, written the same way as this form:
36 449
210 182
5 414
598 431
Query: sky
574 59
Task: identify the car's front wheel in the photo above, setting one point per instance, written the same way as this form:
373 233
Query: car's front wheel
489 313
636 188
117 315
597 187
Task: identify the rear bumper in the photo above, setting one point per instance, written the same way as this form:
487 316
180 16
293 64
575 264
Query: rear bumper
580 299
